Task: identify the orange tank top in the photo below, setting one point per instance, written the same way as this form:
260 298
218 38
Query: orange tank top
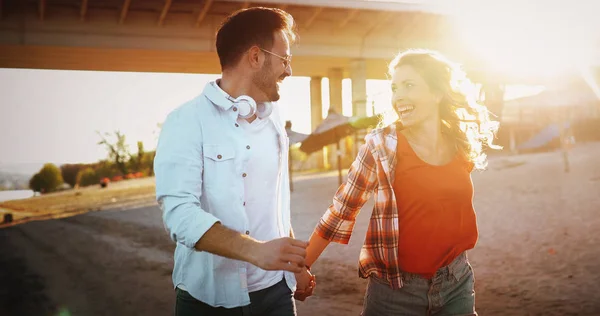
436 218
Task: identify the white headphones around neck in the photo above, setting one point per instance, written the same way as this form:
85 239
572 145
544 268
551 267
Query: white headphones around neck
246 106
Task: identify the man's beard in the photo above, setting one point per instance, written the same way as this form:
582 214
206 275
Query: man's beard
264 82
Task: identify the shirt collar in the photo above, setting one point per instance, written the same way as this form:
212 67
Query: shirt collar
221 99
217 96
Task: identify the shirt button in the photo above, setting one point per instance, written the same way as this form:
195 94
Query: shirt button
219 156
248 147
236 125
244 203
244 174
247 232
234 109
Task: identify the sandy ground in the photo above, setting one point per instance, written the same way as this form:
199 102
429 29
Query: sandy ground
538 252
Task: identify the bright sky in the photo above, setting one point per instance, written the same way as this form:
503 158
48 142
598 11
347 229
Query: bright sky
53 115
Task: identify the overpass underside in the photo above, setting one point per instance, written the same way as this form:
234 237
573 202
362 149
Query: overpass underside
55 31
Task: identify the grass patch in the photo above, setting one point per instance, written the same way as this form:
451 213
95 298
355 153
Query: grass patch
74 202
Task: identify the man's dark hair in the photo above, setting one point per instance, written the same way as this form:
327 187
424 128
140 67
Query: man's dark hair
248 27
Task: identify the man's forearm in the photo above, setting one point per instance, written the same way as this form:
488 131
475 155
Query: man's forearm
225 242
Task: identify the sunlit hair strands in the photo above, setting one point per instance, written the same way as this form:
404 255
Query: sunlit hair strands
465 120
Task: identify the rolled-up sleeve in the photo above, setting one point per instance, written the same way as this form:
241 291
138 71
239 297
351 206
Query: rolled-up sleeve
337 223
178 168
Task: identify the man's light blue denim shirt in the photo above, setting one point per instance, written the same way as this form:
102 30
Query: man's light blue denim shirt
200 165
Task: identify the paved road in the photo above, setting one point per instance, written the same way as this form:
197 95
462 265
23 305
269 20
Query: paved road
537 253
112 262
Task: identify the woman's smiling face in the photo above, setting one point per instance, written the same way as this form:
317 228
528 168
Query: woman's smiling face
412 98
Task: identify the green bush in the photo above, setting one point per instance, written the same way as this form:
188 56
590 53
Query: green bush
69 173
36 183
148 163
48 179
87 176
106 169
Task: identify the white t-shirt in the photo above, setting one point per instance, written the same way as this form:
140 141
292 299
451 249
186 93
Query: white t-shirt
260 186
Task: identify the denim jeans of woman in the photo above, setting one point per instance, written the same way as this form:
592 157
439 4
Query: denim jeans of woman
449 292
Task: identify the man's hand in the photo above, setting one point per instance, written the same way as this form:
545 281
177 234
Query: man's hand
306 284
280 254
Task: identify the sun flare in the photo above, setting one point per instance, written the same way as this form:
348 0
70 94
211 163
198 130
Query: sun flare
529 37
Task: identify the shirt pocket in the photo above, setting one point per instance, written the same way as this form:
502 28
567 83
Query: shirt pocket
219 165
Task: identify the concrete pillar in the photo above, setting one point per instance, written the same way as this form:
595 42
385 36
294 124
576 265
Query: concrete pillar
316 115
316 104
335 76
358 75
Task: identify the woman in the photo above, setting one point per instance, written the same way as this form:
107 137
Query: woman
423 222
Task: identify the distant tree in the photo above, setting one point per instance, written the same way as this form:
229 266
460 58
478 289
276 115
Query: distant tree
148 162
118 150
136 161
48 179
105 169
87 176
140 153
69 173
36 183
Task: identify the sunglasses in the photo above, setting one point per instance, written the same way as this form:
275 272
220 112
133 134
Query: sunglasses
287 60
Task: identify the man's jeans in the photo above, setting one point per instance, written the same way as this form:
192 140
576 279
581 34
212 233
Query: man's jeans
449 292
276 300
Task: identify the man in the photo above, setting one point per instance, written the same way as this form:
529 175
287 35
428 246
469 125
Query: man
222 179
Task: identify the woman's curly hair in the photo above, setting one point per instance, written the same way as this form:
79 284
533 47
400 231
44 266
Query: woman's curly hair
465 120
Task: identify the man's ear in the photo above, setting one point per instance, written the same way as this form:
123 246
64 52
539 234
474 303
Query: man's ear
255 58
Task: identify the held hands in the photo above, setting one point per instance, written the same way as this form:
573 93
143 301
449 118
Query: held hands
306 284
281 254
287 254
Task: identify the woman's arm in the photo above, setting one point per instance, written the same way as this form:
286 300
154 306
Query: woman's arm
316 246
338 221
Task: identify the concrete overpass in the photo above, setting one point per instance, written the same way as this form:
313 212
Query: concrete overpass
338 39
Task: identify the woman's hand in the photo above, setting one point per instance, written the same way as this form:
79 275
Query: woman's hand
306 283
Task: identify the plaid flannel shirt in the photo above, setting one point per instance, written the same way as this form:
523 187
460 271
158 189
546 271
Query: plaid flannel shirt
372 172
